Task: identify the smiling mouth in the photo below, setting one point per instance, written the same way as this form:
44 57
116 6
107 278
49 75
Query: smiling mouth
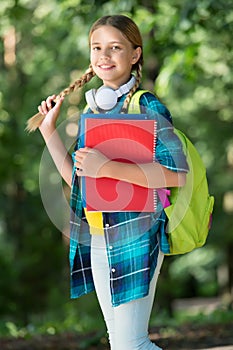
106 66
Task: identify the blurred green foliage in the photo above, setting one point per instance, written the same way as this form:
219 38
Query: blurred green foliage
188 62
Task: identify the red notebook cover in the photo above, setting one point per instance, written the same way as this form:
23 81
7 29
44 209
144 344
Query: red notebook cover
125 141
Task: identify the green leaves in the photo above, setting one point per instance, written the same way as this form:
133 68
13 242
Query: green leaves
188 61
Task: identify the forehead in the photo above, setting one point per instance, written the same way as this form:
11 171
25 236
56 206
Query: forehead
107 33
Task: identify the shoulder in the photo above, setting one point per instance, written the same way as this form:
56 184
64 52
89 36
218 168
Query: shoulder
152 103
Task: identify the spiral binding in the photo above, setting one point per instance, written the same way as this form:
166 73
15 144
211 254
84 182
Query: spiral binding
154 150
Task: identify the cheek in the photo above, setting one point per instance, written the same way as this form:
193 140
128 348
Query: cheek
93 56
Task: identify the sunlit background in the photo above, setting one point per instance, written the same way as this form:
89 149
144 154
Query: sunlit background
188 63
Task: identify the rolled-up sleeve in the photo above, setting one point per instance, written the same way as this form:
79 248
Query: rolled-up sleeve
169 151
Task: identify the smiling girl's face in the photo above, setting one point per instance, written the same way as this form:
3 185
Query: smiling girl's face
112 56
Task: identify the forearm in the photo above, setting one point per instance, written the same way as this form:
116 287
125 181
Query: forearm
59 153
151 175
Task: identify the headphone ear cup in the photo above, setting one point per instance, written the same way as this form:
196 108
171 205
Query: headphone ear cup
90 98
106 98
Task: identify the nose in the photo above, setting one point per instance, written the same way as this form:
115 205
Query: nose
105 53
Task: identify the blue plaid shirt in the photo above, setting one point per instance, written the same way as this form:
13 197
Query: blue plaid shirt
132 239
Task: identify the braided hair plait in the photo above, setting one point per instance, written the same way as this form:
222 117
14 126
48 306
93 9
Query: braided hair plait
34 122
134 88
85 78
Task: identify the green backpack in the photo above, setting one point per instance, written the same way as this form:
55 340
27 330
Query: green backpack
191 206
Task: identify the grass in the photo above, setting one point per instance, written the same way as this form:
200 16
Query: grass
84 323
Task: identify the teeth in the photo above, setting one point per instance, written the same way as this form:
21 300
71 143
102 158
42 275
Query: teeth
103 66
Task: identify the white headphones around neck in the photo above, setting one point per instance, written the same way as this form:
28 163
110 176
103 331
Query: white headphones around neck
105 97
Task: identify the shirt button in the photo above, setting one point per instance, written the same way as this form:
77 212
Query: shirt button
106 225
111 247
113 270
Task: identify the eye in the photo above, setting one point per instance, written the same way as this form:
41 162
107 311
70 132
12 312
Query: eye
115 47
95 48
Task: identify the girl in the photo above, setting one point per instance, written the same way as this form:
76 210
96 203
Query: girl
124 262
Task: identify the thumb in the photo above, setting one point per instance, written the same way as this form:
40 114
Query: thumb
58 102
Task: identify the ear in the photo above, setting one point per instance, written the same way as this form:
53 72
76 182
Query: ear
136 55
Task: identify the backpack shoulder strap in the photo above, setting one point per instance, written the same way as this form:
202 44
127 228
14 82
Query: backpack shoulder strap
134 104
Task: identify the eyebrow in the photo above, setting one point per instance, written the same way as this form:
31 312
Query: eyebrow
111 42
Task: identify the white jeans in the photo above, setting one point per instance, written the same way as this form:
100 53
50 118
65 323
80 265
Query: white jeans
127 324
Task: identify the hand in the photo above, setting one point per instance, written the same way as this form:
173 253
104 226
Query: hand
50 109
90 162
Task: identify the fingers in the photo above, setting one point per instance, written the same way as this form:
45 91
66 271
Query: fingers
46 105
80 156
89 161
49 104
82 152
79 172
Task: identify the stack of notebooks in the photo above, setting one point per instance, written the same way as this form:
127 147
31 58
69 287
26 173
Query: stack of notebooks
129 138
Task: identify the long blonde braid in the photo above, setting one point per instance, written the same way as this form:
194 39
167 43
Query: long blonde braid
85 78
34 122
134 88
